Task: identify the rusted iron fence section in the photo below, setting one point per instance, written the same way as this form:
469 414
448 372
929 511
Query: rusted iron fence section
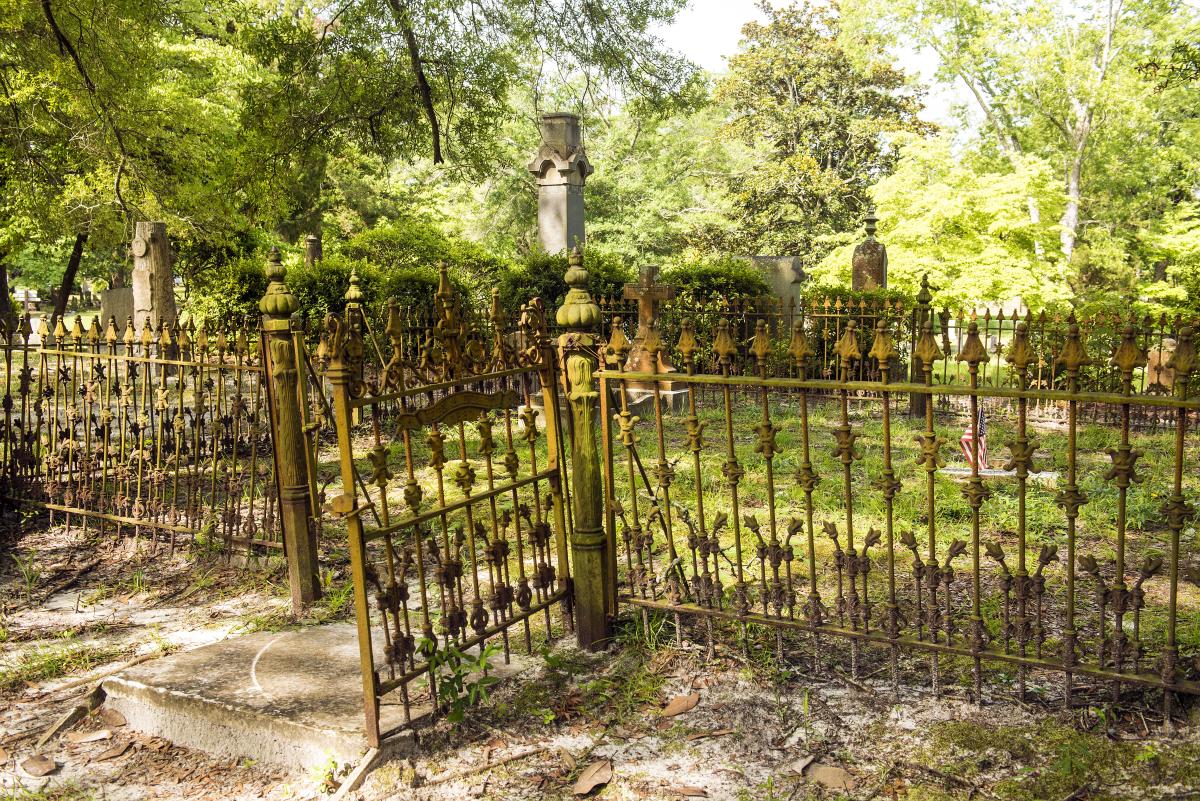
452 493
791 494
163 435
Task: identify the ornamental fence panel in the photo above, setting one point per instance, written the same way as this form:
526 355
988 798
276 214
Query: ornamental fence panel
793 497
162 435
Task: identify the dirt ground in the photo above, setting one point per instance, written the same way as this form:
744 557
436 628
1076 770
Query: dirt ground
651 719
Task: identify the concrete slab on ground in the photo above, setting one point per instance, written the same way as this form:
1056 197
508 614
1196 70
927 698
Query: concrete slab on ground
292 698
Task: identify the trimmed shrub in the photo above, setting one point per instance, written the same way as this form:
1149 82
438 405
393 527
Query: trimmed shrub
540 275
707 279
228 292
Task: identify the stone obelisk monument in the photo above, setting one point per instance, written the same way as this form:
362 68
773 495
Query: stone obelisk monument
561 169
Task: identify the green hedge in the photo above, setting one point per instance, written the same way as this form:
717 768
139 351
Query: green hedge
225 293
701 280
399 260
540 275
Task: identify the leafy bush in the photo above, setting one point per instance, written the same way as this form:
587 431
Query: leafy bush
707 279
226 293
410 244
540 275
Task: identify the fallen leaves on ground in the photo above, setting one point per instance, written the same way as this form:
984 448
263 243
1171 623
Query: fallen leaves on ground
680 704
39 765
594 775
113 752
831 776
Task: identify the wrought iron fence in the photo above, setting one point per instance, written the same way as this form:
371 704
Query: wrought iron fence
821 523
157 434
453 494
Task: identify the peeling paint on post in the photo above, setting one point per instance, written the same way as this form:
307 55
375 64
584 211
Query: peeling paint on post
291 465
579 315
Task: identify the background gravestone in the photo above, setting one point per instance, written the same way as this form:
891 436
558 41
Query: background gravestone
153 278
312 250
869 266
784 276
117 304
561 169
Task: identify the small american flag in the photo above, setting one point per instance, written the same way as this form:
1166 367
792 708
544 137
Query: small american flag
968 438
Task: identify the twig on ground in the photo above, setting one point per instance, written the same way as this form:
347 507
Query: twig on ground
104 673
495 763
857 685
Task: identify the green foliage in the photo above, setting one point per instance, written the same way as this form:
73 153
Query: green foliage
407 244
1069 87
540 275
816 119
964 221
452 670
702 279
229 292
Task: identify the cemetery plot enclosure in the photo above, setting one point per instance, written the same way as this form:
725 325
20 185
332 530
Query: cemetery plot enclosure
802 500
158 434
454 497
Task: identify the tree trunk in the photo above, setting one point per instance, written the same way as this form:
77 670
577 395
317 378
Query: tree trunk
1070 217
6 307
68 279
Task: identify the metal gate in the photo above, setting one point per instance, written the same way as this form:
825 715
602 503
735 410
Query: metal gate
452 493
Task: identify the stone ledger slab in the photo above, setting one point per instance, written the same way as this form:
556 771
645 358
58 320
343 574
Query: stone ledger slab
292 698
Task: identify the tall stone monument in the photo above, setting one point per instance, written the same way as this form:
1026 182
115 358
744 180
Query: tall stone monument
153 276
312 250
561 169
869 265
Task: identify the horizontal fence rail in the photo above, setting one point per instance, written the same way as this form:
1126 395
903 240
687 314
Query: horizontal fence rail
158 434
791 492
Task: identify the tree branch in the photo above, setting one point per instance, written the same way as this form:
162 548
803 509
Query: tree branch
414 54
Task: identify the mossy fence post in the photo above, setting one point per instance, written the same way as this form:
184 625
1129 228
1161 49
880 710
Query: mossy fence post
282 371
579 316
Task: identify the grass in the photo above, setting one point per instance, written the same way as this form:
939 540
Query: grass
1053 760
54 661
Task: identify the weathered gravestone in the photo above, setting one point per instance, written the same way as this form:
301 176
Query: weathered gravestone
784 275
153 278
1160 377
312 250
649 293
561 169
116 304
869 265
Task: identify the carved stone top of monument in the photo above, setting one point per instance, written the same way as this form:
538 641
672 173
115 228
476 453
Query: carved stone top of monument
648 293
869 266
560 158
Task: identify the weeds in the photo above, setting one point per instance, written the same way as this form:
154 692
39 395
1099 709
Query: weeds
451 669
31 573
43 664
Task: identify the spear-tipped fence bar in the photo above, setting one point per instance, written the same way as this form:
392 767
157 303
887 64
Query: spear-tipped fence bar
742 523
161 434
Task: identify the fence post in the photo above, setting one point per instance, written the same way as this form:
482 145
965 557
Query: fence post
287 436
579 316
922 312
